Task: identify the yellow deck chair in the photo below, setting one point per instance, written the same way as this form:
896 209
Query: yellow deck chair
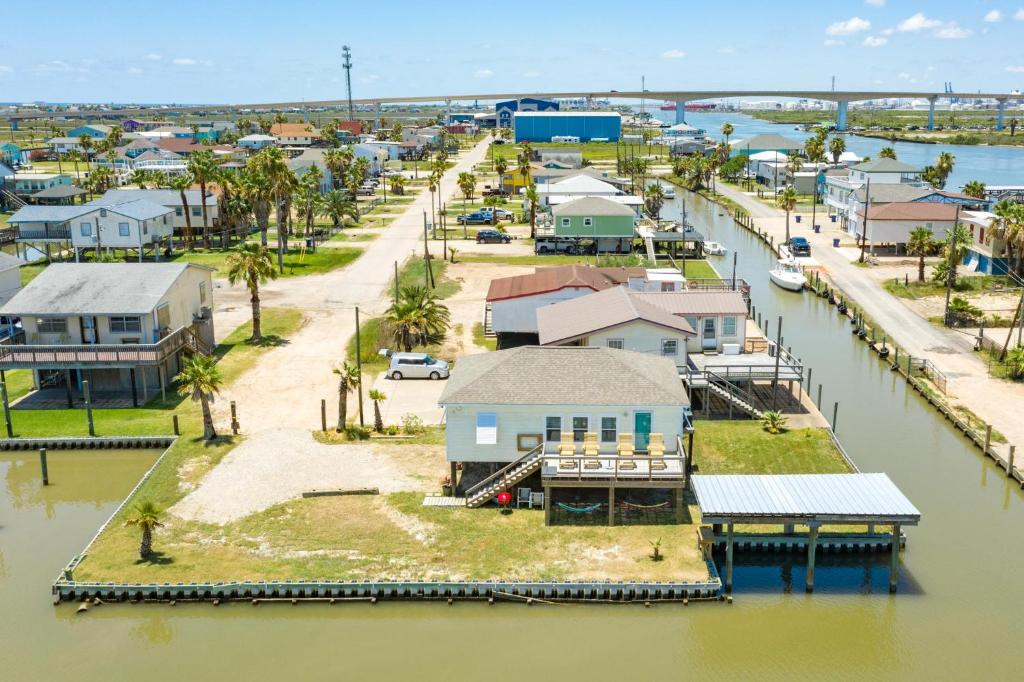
625 449
566 451
590 449
656 451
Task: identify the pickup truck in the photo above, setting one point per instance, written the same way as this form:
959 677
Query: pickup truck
799 246
477 218
501 213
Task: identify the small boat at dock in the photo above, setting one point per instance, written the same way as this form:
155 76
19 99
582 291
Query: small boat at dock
714 249
788 275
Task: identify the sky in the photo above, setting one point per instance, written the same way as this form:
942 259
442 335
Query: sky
216 51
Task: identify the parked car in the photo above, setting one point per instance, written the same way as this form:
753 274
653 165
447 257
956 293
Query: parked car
564 245
492 237
799 246
476 218
494 192
365 191
414 366
501 213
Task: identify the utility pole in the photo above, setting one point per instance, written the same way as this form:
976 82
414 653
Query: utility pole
951 266
864 223
346 52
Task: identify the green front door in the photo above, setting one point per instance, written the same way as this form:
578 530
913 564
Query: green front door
641 430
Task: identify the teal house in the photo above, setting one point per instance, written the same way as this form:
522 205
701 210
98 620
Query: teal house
9 153
610 224
94 130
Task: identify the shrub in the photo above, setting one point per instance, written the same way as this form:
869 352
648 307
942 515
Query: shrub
412 425
773 422
355 432
391 429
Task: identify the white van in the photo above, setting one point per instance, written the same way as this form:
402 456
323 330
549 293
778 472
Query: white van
415 366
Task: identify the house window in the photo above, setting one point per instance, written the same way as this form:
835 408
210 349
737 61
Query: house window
52 325
728 326
588 222
692 321
486 428
579 427
615 343
120 324
669 347
668 286
85 229
103 213
197 211
609 430
124 230
178 211
566 222
552 429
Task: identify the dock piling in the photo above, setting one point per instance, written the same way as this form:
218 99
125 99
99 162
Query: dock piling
1009 461
87 394
174 424
988 438
819 397
323 415
894 564
835 415
7 409
42 466
234 419
812 545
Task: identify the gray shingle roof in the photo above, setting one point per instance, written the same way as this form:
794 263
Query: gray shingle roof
139 209
695 302
96 289
884 165
48 214
887 192
606 309
558 375
59 192
164 197
766 141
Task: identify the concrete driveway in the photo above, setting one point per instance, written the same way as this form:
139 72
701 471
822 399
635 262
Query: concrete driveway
408 396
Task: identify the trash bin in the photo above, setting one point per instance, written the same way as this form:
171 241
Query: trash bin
309 243
835 243
817 229
832 218
798 218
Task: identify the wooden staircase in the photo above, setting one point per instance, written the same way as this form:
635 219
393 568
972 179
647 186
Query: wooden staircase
503 479
732 394
488 327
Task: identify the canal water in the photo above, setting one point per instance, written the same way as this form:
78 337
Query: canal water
991 165
957 614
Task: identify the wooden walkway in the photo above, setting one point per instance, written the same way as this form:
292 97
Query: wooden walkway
443 501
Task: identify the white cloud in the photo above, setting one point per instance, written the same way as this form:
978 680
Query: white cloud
183 61
532 74
903 76
845 28
952 31
994 16
875 3
917 22
874 41
728 49
134 70
6 69
1015 69
673 54
483 73
1019 16
152 57
832 42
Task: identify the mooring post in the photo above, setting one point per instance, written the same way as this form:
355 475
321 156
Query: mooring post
894 561
728 557
988 438
42 466
7 409
810 371
819 397
87 394
234 419
1009 461
174 423
812 546
835 415
323 415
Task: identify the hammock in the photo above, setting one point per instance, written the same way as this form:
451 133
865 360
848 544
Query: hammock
644 506
579 510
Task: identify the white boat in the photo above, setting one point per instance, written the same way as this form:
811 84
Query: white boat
668 190
714 249
788 275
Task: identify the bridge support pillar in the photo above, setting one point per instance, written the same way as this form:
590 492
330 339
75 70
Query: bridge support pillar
1000 109
14 124
841 115
447 111
377 109
680 111
931 113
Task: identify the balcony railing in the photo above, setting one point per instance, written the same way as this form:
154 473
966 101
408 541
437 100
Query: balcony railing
62 232
38 356
640 466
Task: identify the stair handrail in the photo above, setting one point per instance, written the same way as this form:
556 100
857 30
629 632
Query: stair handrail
470 492
731 388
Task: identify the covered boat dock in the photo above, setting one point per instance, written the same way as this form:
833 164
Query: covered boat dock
811 500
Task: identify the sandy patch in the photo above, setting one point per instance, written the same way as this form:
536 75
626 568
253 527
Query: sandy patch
276 465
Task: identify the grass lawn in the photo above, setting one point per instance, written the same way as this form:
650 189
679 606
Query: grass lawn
414 273
694 268
979 284
744 447
30 271
296 263
234 355
381 537
490 343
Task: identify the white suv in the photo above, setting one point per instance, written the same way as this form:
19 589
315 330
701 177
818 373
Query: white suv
415 366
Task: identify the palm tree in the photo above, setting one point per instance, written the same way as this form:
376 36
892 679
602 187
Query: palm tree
975 188
836 147
348 379
887 153
307 199
794 162
533 198
203 169
920 244
282 183
397 183
252 264
467 185
139 177
655 199
1013 123
773 422
727 130
944 166
417 316
814 148
1009 228
338 161
1015 363
377 397
85 142
182 183
336 205
145 515
200 380
955 247
244 125
787 202
500 166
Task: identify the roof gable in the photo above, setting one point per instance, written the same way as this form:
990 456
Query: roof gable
607 309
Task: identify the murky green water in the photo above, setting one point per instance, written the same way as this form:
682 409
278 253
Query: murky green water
958 614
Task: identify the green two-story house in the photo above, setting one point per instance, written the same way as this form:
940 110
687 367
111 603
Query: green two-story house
608 223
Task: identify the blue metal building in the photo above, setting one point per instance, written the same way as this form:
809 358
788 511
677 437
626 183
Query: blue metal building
505 110
586 125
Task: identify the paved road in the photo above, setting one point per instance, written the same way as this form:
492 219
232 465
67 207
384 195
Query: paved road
997 402
284 388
